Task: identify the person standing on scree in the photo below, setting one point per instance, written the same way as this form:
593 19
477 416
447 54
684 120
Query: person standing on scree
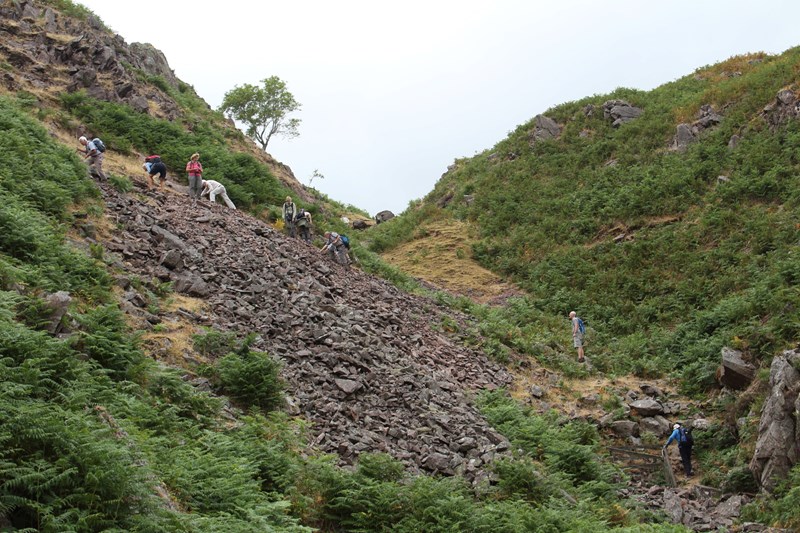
195 171
289 215
578 330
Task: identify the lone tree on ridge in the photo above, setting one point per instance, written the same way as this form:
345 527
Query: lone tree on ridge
263 110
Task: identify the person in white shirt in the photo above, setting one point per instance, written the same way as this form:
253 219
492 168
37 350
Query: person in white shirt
213 189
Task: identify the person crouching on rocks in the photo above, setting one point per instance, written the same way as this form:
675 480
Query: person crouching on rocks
154 165
213 189
303 223
335 247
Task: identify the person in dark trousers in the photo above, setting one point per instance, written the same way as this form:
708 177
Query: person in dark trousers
156 168
682 437
289 214
303 223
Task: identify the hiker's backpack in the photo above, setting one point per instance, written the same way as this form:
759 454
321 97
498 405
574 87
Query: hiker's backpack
581 326
100 145
301 213
345 241
687 436
153 159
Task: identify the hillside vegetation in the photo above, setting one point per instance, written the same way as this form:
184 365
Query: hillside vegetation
97 435
665 260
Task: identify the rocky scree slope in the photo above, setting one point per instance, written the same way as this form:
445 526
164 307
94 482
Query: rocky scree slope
362 360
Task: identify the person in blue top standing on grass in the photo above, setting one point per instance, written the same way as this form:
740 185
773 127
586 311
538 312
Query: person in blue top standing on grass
685 440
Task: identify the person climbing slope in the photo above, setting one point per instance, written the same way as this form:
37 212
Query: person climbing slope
93 153
685 442
213 189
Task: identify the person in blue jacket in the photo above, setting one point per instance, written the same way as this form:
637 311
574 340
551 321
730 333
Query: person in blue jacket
684 440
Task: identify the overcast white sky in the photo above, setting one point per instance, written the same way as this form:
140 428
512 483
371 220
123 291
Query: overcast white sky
393 92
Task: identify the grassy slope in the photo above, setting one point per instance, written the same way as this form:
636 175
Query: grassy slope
702 263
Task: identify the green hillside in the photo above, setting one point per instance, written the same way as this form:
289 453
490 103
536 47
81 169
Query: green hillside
665 260
98 436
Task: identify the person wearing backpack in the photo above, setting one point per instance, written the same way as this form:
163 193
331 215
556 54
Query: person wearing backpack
685 442
154 165
303 222
578 332
289 214
93 153
336 248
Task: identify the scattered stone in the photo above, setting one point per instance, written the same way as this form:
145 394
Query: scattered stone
647 407
735 372
58 303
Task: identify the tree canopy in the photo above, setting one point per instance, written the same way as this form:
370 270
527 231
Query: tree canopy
263 109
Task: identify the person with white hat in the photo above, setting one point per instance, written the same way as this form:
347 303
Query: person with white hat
685 441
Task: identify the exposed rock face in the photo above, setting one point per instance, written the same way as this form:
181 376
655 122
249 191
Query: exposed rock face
735 372
693 509
620 111
92 60
688 133
784 108
151 60
778 445
544 128
361 360
383 216
58 303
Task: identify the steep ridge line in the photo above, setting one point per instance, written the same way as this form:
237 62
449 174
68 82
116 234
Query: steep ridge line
362 360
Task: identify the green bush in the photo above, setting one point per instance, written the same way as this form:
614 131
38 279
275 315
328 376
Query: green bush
251 378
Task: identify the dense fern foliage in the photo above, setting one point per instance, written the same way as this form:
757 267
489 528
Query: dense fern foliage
666 262
94 434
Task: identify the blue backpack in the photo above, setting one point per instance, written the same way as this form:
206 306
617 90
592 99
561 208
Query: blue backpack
345 241
581 326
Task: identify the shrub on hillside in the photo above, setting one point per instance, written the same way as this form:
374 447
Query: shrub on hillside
251 378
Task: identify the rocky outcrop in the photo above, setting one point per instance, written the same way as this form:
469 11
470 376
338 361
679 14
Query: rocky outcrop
778 445
689 133
620 112
362 362
784 108
694 508
383 216
93 60
544 128
735 372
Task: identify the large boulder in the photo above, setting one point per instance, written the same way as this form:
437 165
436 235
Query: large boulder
383 216
647 407
544 128
58 303
735 372
620 111
778 445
